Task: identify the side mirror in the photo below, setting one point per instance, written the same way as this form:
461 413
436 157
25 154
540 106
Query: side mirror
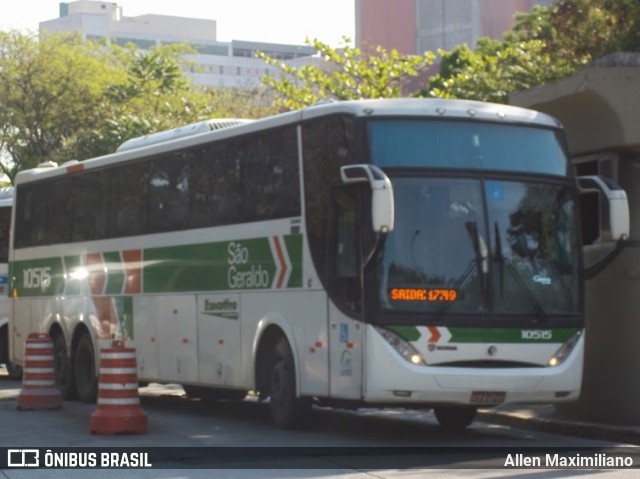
613 206
382 207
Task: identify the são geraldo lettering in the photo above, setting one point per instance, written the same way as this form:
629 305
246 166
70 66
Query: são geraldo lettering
238 275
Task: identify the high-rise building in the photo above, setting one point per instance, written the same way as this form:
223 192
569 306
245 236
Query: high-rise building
216 64
414 26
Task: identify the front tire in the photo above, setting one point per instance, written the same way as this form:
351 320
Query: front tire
85 370
455 418
287 410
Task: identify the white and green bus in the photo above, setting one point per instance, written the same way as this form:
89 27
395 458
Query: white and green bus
6 202
409 252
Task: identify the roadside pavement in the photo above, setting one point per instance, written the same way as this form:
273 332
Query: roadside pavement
543 418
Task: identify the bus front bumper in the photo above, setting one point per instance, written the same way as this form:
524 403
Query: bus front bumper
391 379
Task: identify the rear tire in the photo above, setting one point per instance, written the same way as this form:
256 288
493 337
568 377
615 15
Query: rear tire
455 418
63 367
14 370
287 410
85 370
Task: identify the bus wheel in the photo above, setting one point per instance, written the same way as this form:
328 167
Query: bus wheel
287 410
85 370
14 370
62 366
455 418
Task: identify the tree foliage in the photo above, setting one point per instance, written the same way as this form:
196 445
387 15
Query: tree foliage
544 45
152 94
63 98
579 31
343 74
51 89
494 69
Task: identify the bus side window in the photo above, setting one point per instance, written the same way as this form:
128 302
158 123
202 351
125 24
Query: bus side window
168 192
127 200
89 213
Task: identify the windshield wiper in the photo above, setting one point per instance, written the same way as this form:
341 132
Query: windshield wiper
473 264
477 262
540 312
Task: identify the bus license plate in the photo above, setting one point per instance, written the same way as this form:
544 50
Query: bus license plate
488 397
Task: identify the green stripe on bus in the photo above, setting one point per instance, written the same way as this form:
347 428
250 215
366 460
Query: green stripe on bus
39 277
124 310
408 333
510 335
293 244
115 273
490 335
71 264
244 264
226 265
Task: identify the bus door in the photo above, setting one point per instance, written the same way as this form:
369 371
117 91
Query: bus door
346 326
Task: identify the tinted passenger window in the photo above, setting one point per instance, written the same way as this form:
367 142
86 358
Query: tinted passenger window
328 144
244 179
127 201
90 201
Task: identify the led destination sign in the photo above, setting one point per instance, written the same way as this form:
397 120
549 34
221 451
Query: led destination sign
423 294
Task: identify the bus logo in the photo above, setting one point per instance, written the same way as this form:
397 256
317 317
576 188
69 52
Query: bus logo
23 457
226 308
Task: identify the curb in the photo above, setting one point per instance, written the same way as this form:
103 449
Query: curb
9 394
562 426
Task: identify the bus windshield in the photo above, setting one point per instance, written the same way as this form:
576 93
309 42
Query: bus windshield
466 144
477 246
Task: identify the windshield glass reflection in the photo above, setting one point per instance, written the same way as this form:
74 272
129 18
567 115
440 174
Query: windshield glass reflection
468 246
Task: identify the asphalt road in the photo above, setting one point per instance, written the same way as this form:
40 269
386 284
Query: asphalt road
240 441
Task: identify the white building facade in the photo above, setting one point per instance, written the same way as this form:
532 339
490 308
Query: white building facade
216 64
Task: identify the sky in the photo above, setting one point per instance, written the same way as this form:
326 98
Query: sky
278 21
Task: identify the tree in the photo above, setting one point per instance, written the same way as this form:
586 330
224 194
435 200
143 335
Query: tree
343 74
152 94
155 94
241 103
493 70
63 98
544 45
51 89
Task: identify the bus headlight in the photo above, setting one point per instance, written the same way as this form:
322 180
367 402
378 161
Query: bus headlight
403 348
561 354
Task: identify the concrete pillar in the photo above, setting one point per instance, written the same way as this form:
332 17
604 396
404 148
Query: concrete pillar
611 380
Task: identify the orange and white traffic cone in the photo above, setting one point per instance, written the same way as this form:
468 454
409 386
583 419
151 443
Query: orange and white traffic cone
38 375
118 407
